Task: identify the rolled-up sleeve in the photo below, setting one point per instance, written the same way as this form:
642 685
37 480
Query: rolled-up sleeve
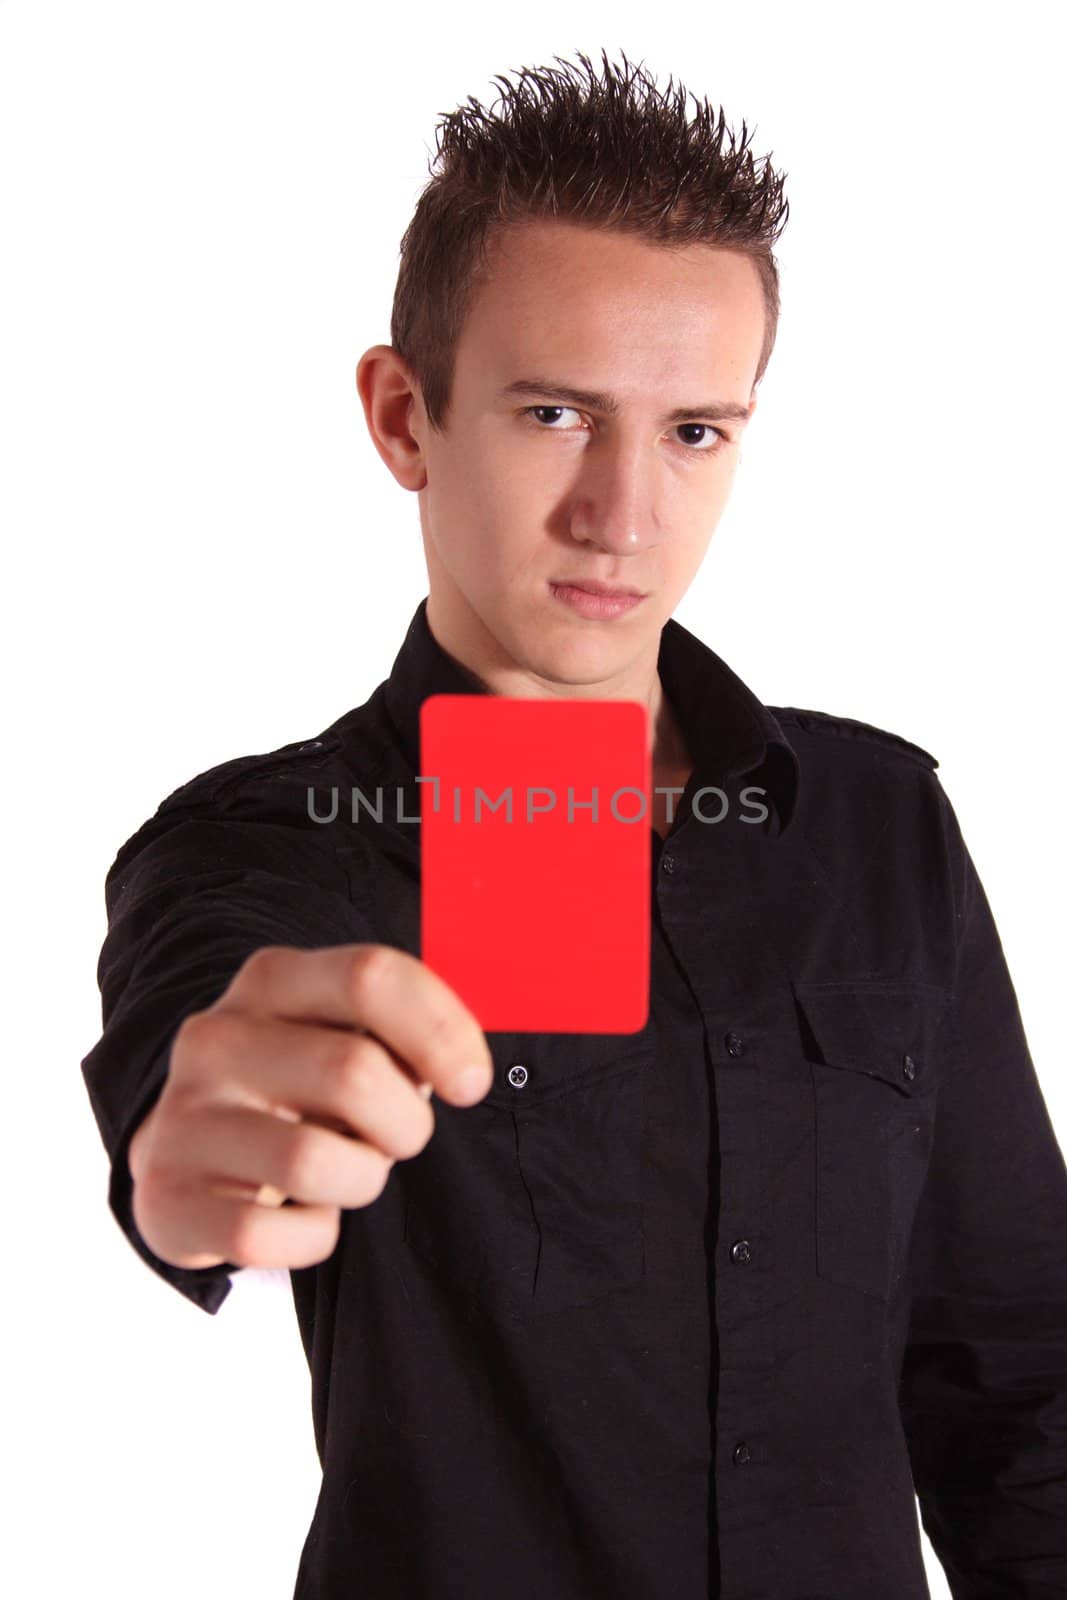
983 1391
188 899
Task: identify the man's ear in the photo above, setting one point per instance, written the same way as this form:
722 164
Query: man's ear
392 407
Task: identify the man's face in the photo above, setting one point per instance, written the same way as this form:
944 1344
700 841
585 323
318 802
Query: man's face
524 489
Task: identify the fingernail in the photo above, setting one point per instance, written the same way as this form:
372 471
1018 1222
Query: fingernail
470 1086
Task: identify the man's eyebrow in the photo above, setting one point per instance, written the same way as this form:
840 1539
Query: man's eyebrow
597 400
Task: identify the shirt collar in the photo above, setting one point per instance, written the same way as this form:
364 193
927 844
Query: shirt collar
728 730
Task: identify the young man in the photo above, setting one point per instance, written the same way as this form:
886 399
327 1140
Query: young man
692 1311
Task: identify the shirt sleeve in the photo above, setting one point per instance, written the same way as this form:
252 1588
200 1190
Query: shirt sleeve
189 897
983 1391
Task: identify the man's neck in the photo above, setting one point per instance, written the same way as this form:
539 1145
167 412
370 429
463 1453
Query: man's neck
670 754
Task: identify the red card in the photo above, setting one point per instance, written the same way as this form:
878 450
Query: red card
540 921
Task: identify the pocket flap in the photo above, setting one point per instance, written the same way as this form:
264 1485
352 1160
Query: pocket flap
895 1032
531 1067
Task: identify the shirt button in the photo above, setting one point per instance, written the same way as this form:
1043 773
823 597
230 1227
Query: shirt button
667 863
741 1251
517 1076
735 1044
910 1067
741 1454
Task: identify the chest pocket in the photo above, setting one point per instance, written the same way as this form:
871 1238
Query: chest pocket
531 1201
876 1053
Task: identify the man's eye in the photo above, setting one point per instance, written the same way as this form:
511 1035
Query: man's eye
713 438
533 410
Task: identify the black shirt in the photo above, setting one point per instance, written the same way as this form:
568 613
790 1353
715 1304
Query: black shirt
687 1312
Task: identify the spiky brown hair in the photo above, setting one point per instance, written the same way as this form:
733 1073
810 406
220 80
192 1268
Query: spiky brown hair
609 152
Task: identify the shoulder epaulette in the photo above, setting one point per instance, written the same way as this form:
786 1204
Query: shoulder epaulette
288 758
849 728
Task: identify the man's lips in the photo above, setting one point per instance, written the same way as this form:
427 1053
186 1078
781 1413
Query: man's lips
591 586
593 605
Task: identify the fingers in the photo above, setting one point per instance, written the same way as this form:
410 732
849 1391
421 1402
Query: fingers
342 1079
199 1227
236 1150
304 1082
383 990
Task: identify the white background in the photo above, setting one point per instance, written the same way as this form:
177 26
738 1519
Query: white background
200 207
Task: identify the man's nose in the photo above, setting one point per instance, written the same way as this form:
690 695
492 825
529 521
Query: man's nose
613 503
